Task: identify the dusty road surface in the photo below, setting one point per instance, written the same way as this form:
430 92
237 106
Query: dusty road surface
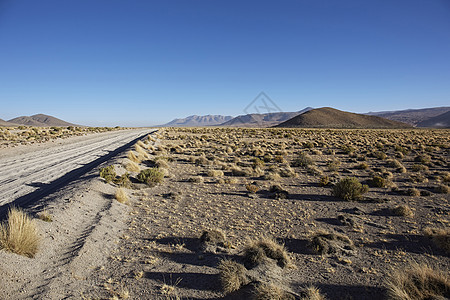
40 168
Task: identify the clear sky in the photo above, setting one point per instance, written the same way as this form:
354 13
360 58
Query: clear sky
142 62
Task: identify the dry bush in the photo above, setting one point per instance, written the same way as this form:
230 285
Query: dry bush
324 242
441 237
333 165
131 166
423 158
287 172
273 176
231 180
363 166
349 188
302 160
403 211
45 216
418 282
257 251
237 171
271 292
19 234
141 151
232 275
121 196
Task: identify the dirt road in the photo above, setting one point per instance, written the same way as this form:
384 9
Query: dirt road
23 174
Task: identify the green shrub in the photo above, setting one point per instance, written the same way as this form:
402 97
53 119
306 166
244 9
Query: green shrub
349 188
108 173
151 176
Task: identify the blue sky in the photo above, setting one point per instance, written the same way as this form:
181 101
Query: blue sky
142 62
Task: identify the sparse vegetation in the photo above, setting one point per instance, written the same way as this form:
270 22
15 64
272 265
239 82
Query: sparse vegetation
151 176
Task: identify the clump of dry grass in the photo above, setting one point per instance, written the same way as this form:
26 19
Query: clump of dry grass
312 293
232 275
196 179
151 176
131 166
418 282
303 160
19 234
121 196
131 156
403 211
413 192
45 216
271 292
378 181
215 173
252 188
324 180
212 239
441 237
349 188
323 242
257 251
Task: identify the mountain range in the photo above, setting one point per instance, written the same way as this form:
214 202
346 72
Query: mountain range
193 121
412 116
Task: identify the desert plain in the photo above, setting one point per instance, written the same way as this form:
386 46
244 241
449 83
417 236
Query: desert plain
230 213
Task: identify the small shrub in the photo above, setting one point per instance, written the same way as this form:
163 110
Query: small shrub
123 181
19 234
303 160
324 180
419 167
196 179
312 293
413 192
151 176
403 211
378 181
108 173
423 158
257 251
363 166
252 188
349 188
232 275
333 165
380 155
418 282
276 192
45 216
287 172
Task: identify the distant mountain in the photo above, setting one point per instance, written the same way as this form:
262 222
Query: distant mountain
40 120
193 121
327 117
411 116
262 120
6 124
441 121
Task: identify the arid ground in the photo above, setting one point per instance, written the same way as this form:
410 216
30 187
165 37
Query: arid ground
161 221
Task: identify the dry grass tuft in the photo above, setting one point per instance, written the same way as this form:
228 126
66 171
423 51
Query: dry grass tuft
232 275
403 211
271 292
441 237
121 196
131 156
323 242
418 282
131 166
312 293
19 234
257 251
45 216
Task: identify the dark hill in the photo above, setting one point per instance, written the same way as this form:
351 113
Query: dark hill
327 117
40 120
